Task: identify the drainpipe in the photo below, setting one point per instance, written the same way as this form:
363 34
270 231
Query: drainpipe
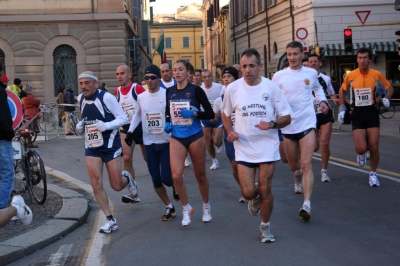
247 24
92 6
233 34
292 16
268 36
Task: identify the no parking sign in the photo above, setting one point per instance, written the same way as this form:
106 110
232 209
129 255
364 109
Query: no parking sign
15 104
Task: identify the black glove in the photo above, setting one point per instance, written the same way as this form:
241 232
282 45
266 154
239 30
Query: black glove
129 138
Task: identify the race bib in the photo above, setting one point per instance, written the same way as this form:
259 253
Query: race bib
317 107
93 137
233 119
130 110
176 118
363 97
154 123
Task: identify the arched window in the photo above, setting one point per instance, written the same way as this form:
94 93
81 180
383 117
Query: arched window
64 68
275 48
2 60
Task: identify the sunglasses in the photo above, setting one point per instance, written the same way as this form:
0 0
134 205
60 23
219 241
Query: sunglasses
150 77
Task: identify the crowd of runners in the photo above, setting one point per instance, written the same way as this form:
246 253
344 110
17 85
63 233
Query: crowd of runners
182 113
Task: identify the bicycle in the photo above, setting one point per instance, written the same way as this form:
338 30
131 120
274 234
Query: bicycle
386 112
32 166
72 118
48 121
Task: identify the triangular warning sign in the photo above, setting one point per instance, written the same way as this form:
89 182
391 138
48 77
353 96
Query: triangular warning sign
363 15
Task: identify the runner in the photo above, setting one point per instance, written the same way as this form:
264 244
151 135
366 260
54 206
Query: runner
324 121
197 78
127 94
297 83
229 75
101 117
183 114
212 129
260 109
166 76
151 113
362 86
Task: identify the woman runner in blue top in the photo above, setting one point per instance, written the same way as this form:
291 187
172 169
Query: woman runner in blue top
183 120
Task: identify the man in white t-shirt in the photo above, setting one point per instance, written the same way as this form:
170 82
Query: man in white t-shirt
212 129
260 109
297 84
166 80
324 121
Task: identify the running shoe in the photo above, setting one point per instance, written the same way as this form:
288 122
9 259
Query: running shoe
187 161
362 159
206 215
243 200
373 180
218 149
325 177
254 206
266 236
24 213
215 164
305 212
298 189
129 198
132 197
186 216
169 213
111 225
175 194
368 154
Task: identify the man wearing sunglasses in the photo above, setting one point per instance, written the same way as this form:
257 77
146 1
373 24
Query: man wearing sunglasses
127 95
151 115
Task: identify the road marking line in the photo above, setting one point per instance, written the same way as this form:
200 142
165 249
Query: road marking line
59 258
360 170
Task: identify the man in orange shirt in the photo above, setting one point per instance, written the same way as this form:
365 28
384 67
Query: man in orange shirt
363 94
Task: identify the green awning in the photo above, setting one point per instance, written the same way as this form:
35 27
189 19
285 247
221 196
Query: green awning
386 46
337 49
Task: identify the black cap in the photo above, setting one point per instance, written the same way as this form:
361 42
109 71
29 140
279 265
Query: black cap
17 81
153 69
231 70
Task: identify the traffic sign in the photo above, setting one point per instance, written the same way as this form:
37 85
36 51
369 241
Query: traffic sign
363 15
305 45
301 33
15 104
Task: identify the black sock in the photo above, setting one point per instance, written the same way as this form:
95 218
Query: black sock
110 217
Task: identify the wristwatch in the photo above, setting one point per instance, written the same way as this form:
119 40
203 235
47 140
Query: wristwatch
195 113
274 124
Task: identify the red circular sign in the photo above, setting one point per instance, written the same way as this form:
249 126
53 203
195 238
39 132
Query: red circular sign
301 33
15 104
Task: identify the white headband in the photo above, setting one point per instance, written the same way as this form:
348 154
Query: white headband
85 75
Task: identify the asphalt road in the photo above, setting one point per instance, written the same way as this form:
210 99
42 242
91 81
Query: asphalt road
351 223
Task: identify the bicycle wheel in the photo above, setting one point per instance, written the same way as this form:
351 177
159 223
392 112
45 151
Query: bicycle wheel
73 123
42 123
387 112
48 122
37 177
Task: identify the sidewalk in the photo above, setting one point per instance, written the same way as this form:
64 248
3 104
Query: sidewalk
63 211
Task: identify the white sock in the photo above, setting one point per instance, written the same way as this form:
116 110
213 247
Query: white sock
266 224
169 205
187 207
20 211
307 203
372 173
206 205
215 160
324 170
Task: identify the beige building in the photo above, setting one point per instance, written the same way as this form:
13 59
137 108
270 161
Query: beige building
183 33
48 43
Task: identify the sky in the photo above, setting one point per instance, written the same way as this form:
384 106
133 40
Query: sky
170 6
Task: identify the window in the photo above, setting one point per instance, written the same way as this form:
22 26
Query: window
2 60
168 42
169 62
64 68
185 42
260 5
202 63
153 43
271 2
251 8
201 41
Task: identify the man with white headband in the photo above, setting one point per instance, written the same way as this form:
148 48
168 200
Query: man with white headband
101 117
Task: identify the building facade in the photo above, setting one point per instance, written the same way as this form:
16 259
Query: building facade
183 35
48 43
268 25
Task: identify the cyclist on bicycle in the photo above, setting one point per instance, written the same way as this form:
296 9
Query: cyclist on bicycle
69 99
361 84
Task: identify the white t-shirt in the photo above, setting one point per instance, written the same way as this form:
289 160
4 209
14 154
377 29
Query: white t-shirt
212 93
297 86
252 104
151 112
168 84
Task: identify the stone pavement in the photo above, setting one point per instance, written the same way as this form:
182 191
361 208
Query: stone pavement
65 209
